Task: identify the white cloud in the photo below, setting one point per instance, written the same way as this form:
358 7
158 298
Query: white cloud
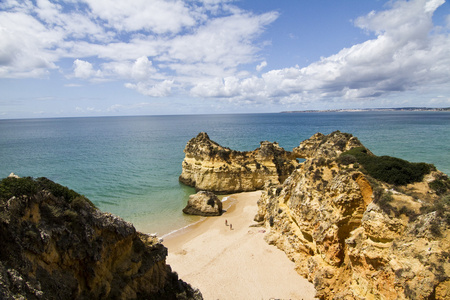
261 66
35 38
215 48
140 70
141 41
84 69
405 56
163 47
224 42
26 47
131 107
224 88
157 16
161 89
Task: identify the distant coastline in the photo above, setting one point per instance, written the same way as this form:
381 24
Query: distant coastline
369 109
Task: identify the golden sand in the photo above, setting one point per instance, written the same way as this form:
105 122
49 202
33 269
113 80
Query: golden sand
235 263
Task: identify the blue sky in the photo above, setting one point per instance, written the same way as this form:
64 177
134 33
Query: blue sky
150 57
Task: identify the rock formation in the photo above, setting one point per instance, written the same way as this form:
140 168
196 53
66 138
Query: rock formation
203 204
356 236
211 167
56 245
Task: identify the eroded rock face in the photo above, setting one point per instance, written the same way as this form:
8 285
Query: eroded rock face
211 167
56 245
203 204
353 236
326 146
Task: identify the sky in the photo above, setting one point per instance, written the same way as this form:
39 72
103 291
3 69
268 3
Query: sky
74 58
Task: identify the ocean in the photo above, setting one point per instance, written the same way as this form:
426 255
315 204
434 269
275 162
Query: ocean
129 166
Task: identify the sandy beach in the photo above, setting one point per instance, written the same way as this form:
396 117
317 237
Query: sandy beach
237 263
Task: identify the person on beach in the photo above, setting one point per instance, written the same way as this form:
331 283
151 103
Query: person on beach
226 223
231 227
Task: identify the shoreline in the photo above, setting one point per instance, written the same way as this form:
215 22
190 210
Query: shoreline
226 200
237 263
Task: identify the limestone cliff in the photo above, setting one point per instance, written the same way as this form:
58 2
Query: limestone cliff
56 245
360 226
211 167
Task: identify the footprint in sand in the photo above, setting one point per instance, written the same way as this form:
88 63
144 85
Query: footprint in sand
182 252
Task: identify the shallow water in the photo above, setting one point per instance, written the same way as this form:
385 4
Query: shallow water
129 166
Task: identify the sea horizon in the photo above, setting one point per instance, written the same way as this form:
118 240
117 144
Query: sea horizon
380 109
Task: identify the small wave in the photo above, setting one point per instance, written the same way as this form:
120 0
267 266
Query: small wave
179 230
228 202
100 202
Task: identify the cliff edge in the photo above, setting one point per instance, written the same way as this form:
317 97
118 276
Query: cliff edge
361 226
211 167
56 245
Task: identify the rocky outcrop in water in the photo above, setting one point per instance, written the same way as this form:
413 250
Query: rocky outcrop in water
203 204
211 167
56 245
360 226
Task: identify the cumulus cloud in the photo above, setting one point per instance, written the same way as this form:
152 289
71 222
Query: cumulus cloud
139 70
201 48
26 46
161 89
224 41
159 16
84 69
404 56
150 44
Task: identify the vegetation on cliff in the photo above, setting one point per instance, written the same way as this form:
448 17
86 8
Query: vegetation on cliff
27 186
386 168
57 245
362 226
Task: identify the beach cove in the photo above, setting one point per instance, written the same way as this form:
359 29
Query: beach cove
129 166
234 263
335 217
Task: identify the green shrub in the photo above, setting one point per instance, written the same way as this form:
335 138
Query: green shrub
61 191
56 189
27 186
70 215
11 186
440 186
446 199
224 154
388 169
435 228
411 214
341 144
441 207
53 213
383 199
346 159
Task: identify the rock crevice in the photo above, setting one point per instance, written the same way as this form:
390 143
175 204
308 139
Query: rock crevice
356 237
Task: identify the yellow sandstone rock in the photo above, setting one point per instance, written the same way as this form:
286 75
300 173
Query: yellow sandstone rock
210 167
355 237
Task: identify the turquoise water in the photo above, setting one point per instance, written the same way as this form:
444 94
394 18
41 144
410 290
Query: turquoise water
129 166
